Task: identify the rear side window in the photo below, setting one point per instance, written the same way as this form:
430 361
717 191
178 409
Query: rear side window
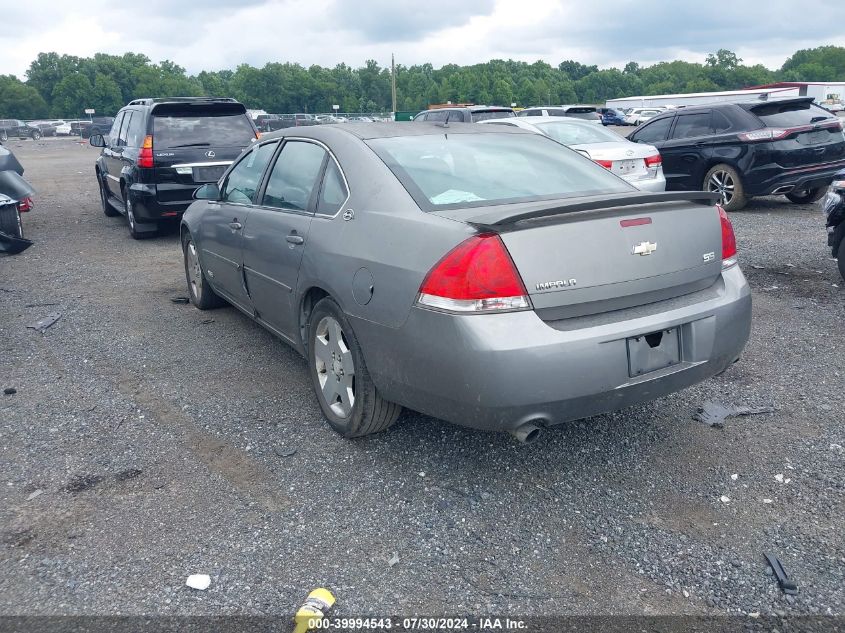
654 131
493 114
294 176
534 113
137 130
201 129
691 125
720 122
333 191
115 128
790 114
242 182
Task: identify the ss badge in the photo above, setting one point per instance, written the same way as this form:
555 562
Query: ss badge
709 257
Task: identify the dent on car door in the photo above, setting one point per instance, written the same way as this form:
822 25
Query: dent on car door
276 233
222 221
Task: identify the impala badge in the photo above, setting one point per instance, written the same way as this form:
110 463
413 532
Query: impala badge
559 283
645 248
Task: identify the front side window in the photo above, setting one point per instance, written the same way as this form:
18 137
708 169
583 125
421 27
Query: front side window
242 182
294 176
115 129
465 170
124 128
654 131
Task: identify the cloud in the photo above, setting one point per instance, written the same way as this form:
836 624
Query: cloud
397 21
216 34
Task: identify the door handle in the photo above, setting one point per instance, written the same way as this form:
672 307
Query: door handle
235 225
295 239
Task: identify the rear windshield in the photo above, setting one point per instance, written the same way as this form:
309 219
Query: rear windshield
446 171
207 129
578 133
492 114
790 114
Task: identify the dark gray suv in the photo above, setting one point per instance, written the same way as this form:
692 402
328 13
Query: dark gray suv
471 114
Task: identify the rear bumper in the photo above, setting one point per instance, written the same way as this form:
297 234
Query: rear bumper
650 184
500 371
149 208
801 178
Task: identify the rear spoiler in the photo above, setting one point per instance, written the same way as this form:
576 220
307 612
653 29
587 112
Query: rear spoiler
504 216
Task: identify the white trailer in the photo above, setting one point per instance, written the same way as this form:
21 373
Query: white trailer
701 98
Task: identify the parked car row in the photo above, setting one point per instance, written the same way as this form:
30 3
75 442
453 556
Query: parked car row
741 150
366 245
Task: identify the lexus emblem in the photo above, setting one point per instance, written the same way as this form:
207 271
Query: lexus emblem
210 153
645 248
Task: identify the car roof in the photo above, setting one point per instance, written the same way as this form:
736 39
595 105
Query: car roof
387 129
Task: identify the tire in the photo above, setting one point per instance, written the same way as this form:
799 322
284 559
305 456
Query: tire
130 220
108 210
201 295
726 181
36 135
10 220
344 389
806 196
4 136
840 258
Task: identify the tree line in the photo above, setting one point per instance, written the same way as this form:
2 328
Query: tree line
64 85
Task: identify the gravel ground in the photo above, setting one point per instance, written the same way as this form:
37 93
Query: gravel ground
148 441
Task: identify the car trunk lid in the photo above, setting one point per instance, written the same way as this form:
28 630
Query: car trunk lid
607 253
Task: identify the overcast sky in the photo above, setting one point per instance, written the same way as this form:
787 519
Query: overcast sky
216 34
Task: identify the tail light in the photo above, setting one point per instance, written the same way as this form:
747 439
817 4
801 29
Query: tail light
728 240
607 164
25 205
653 161
145 157
478 275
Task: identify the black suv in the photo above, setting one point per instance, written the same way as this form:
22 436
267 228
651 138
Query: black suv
740 150
471 114
16 128
160 150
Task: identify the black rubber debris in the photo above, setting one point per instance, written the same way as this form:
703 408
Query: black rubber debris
715 413
81 483
180 300
10 391
786 585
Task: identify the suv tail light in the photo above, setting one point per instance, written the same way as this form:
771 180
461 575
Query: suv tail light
25 205
478 275
145 157
653 161
728 240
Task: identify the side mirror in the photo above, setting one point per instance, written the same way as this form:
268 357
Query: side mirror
97 140
208 191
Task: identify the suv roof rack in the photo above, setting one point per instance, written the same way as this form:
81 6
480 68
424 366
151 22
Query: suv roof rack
150 101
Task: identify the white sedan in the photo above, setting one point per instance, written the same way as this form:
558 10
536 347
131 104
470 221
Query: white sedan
637 163
641 115
62 128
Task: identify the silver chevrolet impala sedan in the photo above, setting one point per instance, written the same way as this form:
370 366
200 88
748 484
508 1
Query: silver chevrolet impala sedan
480 274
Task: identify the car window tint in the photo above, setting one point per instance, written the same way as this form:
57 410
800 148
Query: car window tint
437 115
692 125
333 192
458 170
294 176
720 122
124 128
115 129
210 128
654 131
791 114
137 130
492 114
243 180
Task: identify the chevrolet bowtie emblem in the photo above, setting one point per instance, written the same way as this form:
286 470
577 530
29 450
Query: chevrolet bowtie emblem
645 248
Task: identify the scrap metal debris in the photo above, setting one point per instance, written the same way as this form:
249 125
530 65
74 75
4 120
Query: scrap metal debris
43 323
788 587
35 494
282 451
200 582
394 560
180 300
715 413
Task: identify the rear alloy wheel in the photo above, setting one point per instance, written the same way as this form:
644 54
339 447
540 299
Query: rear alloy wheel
806 196
132 222
724 180
4 136
201 294
345 391
108 210
10 220
36 135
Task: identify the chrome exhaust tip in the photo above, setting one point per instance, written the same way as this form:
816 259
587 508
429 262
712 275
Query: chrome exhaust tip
783 189
528 433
